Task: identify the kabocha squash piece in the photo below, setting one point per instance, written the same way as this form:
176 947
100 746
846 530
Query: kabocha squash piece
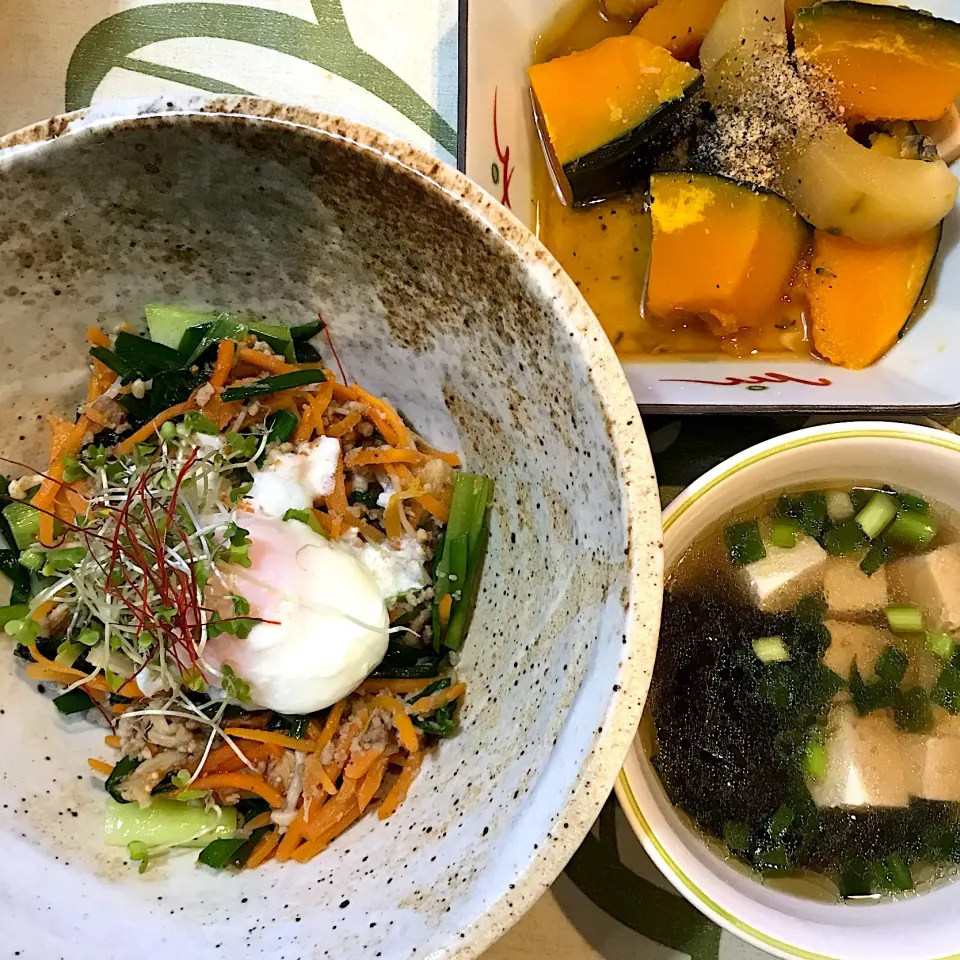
606 115
626 9
861 296
848 189
679 25
887 63
721 250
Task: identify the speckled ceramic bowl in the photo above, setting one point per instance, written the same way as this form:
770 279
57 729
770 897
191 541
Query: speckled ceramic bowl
440 300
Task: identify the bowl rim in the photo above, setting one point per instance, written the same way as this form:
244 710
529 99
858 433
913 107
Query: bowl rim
709 481
643 556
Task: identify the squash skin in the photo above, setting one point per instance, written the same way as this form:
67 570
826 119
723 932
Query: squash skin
888 63
606 115
679 25
721 251
861 296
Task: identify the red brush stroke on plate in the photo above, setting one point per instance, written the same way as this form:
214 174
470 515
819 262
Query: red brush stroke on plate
756 379
503 156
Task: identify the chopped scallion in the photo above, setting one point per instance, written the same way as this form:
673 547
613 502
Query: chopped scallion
939 643
877 514
814 760
285 381
76 701
784 532
904 618
771 650
912 528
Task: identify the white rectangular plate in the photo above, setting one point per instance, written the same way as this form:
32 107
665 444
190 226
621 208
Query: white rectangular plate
922 371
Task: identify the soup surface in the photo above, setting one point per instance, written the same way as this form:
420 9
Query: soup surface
806 691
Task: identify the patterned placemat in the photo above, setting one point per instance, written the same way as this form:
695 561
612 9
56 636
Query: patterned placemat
391 64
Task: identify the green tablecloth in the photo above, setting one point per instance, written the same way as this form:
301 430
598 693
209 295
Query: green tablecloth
391 64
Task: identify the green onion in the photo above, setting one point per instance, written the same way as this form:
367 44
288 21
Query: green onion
814 760
771 650
736 835
939 643
223 328
298 378
744 543
24 522
913 503
784 532
877 514
904 618
230 853
839 506
780 822
147 357
305 516
844 539
912 528
16 611
281 426
306 331
126 371
891 666
75 701
813 512
137 850
898 872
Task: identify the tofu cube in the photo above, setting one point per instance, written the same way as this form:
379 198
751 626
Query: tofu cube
869 762
784 575
855 641
938 768
850 593
932 581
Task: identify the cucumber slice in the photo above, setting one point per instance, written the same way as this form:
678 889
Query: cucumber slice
166 823
167 325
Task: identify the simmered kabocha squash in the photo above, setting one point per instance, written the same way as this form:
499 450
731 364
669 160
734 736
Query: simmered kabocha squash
861 296
606 115
721 251
886 63
679 25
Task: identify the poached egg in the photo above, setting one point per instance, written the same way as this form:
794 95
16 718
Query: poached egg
328 622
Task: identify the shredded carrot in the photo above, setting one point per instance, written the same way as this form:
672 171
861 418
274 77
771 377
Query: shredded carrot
396 686
265 361
99 766
269 736
398 792
405 728
361 763
337 500
131 689
391 517
373 779
260 820
75 502
240 781
41 611
264 850
439 509
149 429
331 725
291 839
443 609
319 402
435 454
112 741
97 338
226 350
59 431
370 533
225 760
438 699
333 811
315 776
42 661
345 425
365 456
312 847
387 420
306 425
46 496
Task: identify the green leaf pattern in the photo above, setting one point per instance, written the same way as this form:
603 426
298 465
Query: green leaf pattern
327 44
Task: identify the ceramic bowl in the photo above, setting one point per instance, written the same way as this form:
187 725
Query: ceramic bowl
440 300
501 148
925 927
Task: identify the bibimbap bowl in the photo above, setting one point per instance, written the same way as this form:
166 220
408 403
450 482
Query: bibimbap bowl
437 299
810 927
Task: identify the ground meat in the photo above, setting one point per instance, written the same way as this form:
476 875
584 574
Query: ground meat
55 622
204 395
140 783
137 734
280 771
437 477
377 735
108 413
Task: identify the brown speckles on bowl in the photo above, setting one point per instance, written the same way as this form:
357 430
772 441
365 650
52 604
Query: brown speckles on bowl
441 301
